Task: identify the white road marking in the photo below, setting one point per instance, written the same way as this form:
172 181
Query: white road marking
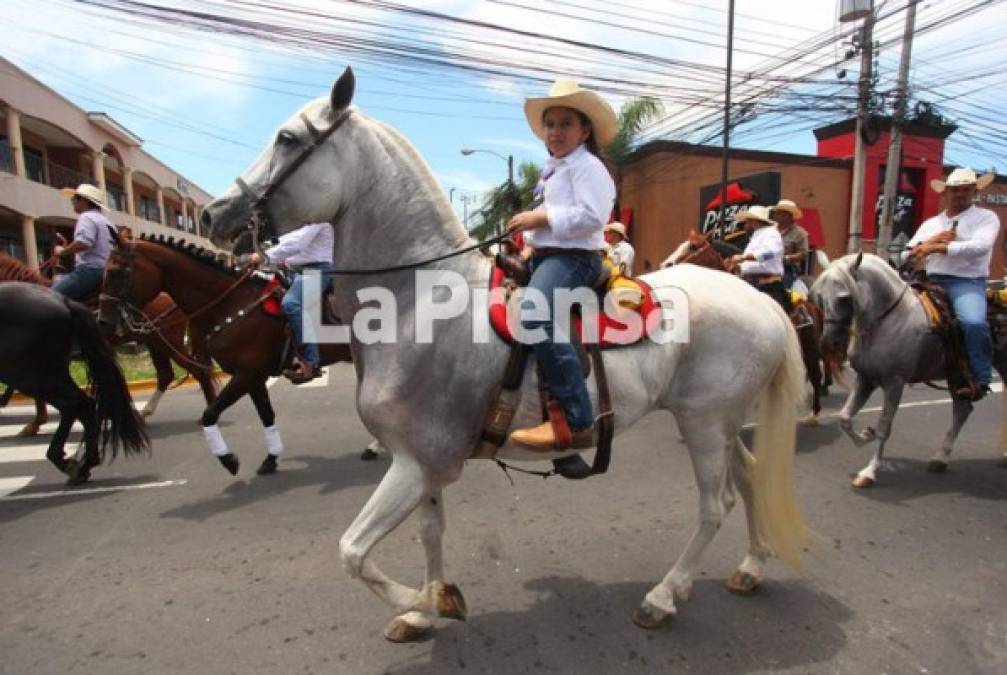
32 452
95 490
11 430
13 484
320 381
29 409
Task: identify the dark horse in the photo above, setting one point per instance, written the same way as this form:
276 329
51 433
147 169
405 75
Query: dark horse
164 344
807 317
229 307
37 329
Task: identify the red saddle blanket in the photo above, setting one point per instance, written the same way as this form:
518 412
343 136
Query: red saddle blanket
611 331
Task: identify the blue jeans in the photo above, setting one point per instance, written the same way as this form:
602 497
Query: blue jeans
293 303
968 299
559 361
81 283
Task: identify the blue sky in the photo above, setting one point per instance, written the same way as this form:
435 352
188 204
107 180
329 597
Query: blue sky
214 100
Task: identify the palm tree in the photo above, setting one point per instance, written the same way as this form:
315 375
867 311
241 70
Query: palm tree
634 116
501 204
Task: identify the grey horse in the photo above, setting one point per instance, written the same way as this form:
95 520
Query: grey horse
424 395
893 345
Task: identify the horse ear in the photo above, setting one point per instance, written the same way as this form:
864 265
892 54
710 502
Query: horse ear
856 263
342 90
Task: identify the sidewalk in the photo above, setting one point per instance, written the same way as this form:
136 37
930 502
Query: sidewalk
137 386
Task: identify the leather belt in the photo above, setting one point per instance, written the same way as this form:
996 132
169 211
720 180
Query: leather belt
551 250
763 279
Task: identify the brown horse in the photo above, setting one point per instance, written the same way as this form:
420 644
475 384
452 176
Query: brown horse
230 308
806 315
165 345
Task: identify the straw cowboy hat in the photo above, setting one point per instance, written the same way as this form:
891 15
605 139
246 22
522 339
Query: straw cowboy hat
962 176
89 192
568 94
760 213
618 228
788 206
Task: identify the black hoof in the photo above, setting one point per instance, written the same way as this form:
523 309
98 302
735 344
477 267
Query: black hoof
268 466
230 462
937 466
368 455
572 467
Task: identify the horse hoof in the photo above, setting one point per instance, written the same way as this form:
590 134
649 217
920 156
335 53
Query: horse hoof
29 429
400 630
230 462
368 455
450 603
810 420
77 473
267 467
863 482
743 583
937 466
649 617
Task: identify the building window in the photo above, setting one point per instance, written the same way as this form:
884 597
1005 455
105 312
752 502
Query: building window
115 197
6 161
34 165
178 221
148 209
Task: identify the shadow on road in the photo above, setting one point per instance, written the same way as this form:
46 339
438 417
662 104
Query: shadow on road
17 508
331 473
908 479
580 626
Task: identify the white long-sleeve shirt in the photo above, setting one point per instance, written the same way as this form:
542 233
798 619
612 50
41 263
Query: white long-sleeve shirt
578 197
623 254
766 245
311 243
969 255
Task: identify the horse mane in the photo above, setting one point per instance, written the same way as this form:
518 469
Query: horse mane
12 269
198 253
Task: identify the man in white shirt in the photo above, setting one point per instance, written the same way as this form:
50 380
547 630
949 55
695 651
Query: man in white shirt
92 244
958 245
308 247
762 261
619 250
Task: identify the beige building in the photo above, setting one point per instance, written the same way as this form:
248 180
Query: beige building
48 143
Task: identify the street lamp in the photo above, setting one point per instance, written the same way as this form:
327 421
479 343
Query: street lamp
511 189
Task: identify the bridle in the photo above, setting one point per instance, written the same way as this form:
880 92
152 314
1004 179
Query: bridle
261 223
863 332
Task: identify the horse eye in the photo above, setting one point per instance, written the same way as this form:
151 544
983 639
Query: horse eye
285 138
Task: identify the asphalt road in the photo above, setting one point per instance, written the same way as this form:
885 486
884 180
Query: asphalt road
193 571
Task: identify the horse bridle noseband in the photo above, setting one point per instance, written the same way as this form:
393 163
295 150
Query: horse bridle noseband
261 222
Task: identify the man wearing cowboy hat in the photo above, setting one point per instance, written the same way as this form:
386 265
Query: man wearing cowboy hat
795 239
619 250
91 245
762 261
958 245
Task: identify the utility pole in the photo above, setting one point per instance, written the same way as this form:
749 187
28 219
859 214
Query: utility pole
859 156
893 168
465 199
727 117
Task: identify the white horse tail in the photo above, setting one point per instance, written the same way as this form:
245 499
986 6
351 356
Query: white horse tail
776 515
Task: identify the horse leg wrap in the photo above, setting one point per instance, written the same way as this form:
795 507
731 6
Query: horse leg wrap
215 441
274 444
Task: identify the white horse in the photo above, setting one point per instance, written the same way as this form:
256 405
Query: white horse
426 402
893 346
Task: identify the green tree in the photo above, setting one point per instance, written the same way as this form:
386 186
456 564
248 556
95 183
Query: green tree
500 205
634 116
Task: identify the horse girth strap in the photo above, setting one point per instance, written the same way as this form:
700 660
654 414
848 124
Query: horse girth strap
501 412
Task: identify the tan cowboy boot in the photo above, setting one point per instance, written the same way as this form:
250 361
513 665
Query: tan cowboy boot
543 438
